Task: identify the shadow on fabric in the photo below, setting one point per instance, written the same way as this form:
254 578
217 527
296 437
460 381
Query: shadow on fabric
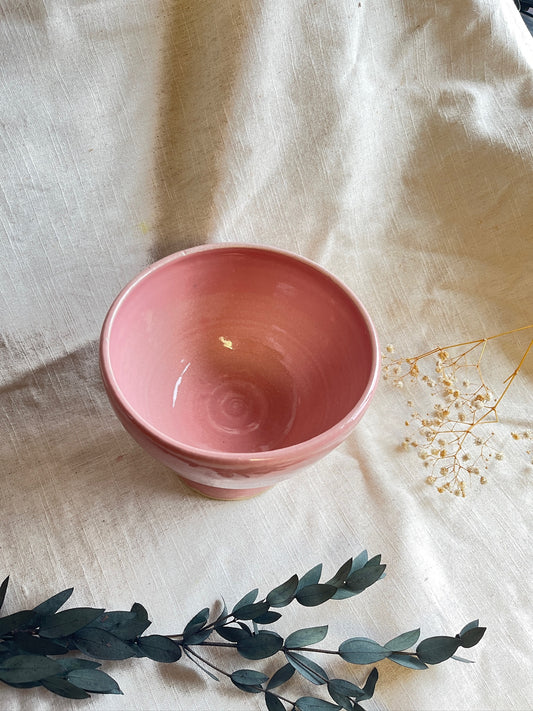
456 169
200 60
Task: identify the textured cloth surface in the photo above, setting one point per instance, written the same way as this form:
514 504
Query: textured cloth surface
391 144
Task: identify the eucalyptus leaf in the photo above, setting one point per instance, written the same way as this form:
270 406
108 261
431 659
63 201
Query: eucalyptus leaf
309 669
10 649
248 599
375 560
62 687
124 625
469 626
435 650
94 680
199 637
359 561
343 594
3 590
24 685
250 612
306 636
310 703
370 684
48 607
280 677
24 668
345 688
67 622
101 644
283 594
407 660
471 637
461 659
361 650
343 701
221 619
311 577
32 644
248 677
249 689
361 579
260 646
70 663
316 594
363 573
196 623
403 641
342 692
139 611
113 620
233 634
342 573
159 648
273 703
17 621
268 618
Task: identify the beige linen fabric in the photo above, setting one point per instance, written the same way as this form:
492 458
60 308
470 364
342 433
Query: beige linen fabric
392 144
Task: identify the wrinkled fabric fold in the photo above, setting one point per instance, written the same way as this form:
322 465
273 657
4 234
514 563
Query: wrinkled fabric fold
391 145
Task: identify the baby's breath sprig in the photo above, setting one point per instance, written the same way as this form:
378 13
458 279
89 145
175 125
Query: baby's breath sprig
449 438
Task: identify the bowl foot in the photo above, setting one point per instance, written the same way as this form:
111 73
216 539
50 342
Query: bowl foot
215 492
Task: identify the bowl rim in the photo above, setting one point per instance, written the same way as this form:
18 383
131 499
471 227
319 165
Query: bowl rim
324 441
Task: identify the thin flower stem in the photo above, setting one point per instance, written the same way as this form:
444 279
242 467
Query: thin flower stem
511 377
306 666
474 343
488 338
483 348
192 653
509 382
483 342
506 333
445 441
311 649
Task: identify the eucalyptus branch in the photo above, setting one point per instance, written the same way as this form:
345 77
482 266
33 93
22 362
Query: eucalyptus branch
42 646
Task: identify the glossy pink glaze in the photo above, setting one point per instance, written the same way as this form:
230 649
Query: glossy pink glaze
238 365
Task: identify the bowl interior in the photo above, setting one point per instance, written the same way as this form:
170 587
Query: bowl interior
238 350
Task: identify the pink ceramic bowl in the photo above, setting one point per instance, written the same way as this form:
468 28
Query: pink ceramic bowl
238 365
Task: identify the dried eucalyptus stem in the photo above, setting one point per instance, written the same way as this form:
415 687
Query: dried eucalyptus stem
40 647
449 437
